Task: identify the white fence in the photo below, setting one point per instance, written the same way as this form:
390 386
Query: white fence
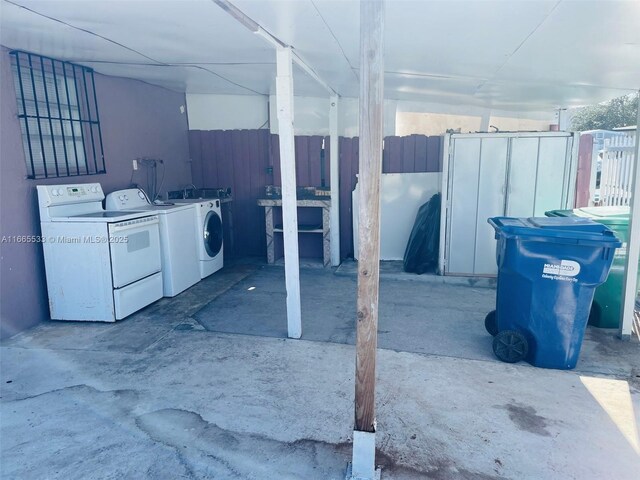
617 170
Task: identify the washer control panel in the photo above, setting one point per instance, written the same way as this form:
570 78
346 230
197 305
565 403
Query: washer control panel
126 199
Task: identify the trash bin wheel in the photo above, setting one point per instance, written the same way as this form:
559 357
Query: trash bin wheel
491 324
510 346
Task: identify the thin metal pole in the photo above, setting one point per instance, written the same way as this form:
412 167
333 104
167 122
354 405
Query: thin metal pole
73 135
24 111
84 148
35 101
86 97
46 97
52 117
95 102
334 179
64 141
323 180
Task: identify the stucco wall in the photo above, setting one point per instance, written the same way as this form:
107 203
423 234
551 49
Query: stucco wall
137 120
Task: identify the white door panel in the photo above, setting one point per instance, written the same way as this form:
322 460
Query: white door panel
522 173
135 252
550 180
491 195
512 174
464 170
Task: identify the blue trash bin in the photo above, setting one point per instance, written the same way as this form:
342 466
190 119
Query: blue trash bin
548 269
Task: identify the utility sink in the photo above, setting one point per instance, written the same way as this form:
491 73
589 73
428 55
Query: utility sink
196 193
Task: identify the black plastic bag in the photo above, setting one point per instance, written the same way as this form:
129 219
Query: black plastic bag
421 254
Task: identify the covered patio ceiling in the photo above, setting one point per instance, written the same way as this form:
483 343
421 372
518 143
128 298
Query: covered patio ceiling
513 54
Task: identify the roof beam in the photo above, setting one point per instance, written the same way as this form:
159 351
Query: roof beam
256 28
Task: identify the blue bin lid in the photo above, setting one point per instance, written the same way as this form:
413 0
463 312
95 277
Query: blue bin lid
574 229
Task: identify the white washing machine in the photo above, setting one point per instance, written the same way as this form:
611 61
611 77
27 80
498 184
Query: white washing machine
209 235
180 257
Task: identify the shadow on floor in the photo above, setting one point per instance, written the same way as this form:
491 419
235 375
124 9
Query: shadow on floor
415 316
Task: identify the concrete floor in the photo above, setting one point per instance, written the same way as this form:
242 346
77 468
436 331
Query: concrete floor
170 393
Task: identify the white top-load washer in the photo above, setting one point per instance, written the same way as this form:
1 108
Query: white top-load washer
100 265
180 261
208 234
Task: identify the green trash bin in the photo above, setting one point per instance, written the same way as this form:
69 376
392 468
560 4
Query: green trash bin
607 301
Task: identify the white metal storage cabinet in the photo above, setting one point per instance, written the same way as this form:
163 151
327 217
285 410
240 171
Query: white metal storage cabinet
493 174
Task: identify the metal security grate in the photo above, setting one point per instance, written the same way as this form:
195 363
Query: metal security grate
58 110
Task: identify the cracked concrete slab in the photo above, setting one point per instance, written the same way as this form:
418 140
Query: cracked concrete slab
288 401
140 330
212 452
200 404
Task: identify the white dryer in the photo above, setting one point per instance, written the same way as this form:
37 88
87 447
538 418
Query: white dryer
180 258
209 234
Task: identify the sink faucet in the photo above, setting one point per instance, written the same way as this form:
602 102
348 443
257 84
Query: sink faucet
186 187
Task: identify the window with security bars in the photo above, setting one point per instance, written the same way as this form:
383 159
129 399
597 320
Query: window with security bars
58 113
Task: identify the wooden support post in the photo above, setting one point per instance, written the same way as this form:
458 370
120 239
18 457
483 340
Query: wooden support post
284 101
371 136
371 132
633 246
334 174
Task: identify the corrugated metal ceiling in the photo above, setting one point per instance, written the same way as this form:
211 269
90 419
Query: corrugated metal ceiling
516 54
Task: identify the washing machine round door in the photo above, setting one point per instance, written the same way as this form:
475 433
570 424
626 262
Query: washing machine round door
212 234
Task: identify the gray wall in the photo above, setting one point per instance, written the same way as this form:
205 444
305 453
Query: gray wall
137 120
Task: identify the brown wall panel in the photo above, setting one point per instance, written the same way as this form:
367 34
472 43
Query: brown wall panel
241 159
